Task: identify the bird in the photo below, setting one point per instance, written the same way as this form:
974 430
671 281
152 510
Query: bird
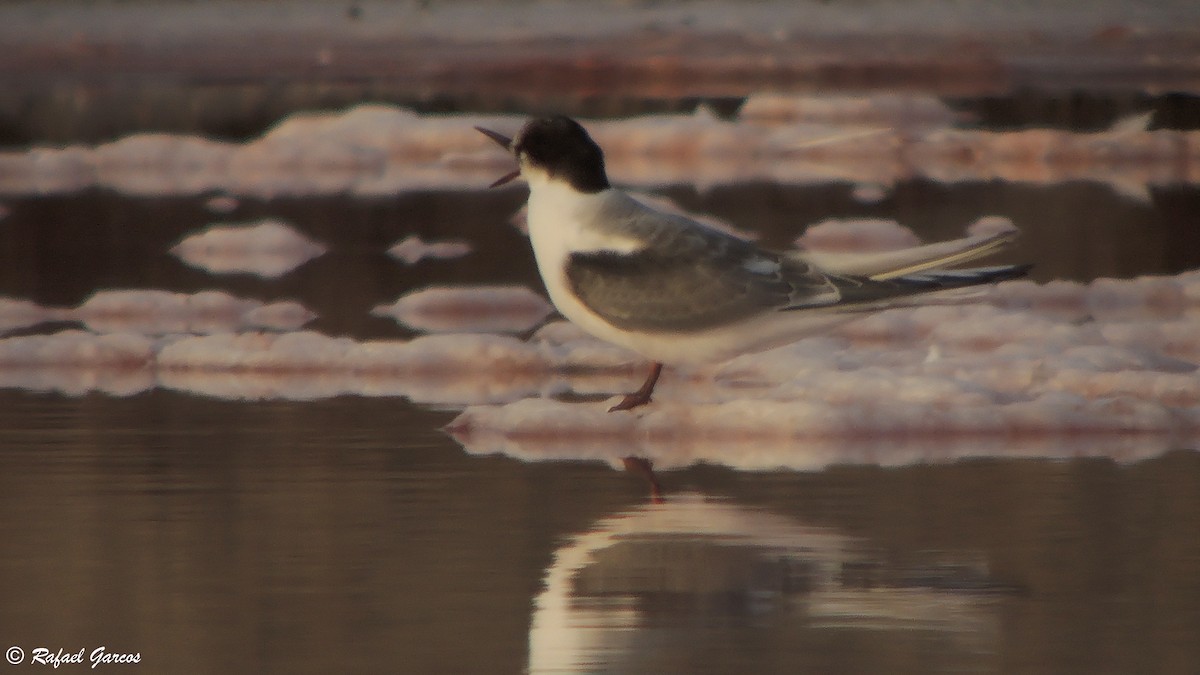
682 293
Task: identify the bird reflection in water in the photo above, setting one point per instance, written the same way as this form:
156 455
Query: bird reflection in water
666 584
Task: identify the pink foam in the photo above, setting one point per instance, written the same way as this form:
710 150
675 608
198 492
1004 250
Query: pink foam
412 249
474 309
858 235
267 248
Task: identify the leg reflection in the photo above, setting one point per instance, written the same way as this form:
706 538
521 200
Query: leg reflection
645 469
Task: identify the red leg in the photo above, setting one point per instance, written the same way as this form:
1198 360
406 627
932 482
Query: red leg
641 396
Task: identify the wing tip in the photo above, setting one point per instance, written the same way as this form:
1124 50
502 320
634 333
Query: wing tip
972 276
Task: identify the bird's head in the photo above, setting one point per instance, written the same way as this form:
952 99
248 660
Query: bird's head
554 149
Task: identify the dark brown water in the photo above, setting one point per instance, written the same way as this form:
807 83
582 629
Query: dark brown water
351 535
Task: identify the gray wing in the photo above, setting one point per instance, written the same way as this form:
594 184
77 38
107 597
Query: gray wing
692 278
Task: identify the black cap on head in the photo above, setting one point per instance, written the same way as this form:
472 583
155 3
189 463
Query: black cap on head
561 147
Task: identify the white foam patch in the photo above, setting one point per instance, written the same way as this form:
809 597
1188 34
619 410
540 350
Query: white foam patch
376 150
988 226
268 248
16 313
413 249
858 235
764 435
878 110
75 362
1125 299
154 312
1061 300
476 309
444 369
930 384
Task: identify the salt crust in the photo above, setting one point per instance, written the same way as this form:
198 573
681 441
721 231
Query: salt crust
268 248
930 384
155 312
377 150
469 309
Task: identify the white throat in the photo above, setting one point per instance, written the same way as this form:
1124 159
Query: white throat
563 220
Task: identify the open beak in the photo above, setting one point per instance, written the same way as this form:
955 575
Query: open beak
506 143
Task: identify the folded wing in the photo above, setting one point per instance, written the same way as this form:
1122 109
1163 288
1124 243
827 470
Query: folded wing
692 280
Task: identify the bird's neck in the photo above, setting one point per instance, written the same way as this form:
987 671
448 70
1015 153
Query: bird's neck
562 219
556 204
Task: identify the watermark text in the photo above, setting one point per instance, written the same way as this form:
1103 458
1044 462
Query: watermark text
64 657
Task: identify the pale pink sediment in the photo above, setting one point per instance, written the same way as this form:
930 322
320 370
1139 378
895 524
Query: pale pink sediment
473 309
156 312
268 248
376 150
930 384
413 249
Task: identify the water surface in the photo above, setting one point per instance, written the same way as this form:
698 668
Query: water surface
350 534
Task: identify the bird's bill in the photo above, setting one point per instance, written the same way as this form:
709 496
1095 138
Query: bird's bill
506 143
510 176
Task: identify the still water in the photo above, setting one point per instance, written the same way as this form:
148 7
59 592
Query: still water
350 534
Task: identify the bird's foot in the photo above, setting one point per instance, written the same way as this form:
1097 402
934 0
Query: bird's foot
631 401
642 395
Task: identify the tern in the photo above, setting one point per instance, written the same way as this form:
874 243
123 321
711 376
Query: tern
682 293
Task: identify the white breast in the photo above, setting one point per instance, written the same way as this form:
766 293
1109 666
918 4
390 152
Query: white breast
562 221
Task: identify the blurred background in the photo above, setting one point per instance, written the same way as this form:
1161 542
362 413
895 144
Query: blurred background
182 181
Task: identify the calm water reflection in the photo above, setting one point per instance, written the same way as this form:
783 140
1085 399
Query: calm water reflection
349 535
